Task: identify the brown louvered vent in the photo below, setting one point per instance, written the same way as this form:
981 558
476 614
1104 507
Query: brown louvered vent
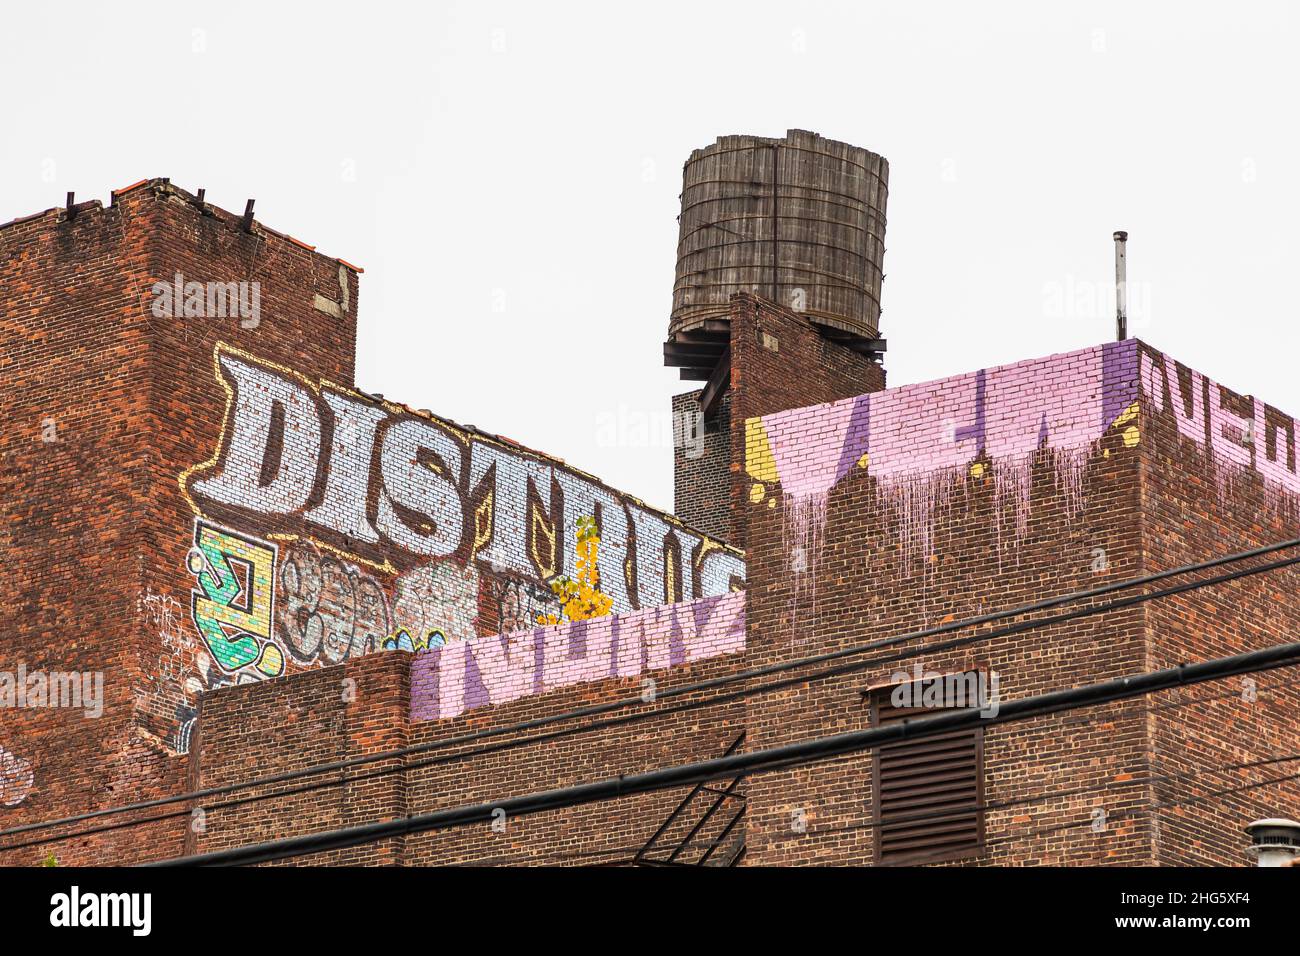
927 794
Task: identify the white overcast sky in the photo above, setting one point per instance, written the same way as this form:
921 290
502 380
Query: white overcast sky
526 157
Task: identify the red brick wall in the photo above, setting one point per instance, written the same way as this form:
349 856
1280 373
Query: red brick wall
935 502
313 718
780 361
189 404
317 717
943 532
1083 495
925 504
701 465
74 362
939 501
92 519
1209 490
114 547
874 515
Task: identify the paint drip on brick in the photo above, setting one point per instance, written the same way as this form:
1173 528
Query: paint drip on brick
922 443
803 533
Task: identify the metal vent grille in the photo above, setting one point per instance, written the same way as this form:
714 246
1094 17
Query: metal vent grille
927 794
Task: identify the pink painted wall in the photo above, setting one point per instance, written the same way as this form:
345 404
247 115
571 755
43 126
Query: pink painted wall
1241 432
455 678
915 439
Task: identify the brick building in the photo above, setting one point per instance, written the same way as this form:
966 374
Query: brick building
246 534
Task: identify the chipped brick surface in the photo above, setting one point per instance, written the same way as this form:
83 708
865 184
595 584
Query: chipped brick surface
213 517
198 499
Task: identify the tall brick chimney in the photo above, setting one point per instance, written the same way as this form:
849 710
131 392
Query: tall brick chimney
776 303
106 373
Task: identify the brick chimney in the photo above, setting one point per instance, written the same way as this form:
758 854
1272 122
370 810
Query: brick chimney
776 303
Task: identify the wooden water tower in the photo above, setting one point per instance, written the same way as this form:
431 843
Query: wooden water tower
798 220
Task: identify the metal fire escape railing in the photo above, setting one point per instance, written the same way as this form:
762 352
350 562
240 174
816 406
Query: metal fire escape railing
708 841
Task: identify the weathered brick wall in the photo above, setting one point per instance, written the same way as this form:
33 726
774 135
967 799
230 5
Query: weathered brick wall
93 360
897 511
466 675
882 514
308 319
471 685
609 832
193 503
370 525
934 502
75 379
317 717
225 507
779 361
701 460
891 512
1220 476
1039 482
553 670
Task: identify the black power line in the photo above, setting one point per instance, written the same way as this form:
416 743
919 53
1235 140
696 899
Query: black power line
1137 814
789 755
931 816
998 841
918 861
339 766
452 758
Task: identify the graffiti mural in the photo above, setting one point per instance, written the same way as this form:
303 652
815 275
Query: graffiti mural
330 524
233 605
330 609
184 668
991 425
497 669
437 598
402 641
390 489
915 440
518 602
16 779
1239 434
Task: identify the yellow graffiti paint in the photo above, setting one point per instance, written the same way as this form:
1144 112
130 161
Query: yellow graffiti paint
1128 415
484 519
261 563
542 544
271 662
759 462
674 585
